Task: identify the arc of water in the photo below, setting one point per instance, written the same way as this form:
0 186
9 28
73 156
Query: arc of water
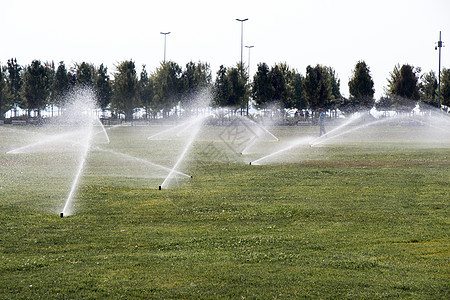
189 124
348 131
65 210
305 140
264 129
327 136
185 150
142 160
104 130
42 142
167 130
252 142
297 142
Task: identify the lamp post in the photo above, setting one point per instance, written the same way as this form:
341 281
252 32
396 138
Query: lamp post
165 35
242 44
439 45
248 70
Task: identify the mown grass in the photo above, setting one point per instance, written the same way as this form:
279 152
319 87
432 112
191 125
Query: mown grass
353 223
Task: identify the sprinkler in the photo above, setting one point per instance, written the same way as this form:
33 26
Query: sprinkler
250 163
192 176
61 215
159 187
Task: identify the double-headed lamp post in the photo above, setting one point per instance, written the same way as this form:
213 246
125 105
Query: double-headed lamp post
165 35
248 70
242 44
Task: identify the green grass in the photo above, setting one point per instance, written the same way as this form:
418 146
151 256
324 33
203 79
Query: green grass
354 222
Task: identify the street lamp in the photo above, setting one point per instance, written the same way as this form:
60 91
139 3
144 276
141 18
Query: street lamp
165 35
248 69
439 45
242 43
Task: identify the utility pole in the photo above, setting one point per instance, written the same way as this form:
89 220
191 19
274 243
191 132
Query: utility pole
242 46
439 45
165 35
248 70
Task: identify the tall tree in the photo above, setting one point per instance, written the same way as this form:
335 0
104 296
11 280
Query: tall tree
14 82
125 87
168 85
280 79
145 90
222 88
317 86
404 87
51 75
262 90
384 103
335 83
3 99
103 87
429 87
445 87
298 97
36 86
61 84
85 74
196 78
361 87
238 87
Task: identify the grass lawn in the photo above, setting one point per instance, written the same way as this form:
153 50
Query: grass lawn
346 220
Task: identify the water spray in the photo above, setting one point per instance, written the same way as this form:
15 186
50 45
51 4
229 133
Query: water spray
142 161
186 148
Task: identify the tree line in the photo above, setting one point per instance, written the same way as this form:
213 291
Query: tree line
36 86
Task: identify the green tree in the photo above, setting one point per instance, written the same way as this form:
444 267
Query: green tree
361 87
61 84
145 90
168 86
103 87
384 103
14 83
3 99
429 87
222 88
262 90
37 86
317 86
335 83
85 73
238 87
280 78
125 87
404 87
196 78
445 87
298 97
51 75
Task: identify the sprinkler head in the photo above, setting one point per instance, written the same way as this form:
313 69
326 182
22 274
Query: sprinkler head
192 176
250 163
61 215
159 187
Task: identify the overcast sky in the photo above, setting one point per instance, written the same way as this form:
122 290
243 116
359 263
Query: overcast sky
383 33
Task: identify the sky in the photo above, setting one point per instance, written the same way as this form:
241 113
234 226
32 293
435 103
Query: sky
338 34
